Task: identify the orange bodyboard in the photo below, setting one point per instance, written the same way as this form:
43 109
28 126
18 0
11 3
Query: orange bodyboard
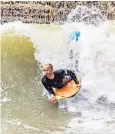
67 91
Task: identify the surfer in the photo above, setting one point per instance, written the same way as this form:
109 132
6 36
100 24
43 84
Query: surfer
57 79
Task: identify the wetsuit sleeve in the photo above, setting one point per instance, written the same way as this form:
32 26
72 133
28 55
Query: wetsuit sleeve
72 74
48 88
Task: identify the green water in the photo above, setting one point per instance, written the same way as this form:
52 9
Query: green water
20 83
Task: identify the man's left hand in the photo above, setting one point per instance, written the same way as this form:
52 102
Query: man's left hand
52 98
78 85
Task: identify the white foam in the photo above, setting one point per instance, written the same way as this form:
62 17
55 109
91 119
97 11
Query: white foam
5 99
96 53
96 65
91 121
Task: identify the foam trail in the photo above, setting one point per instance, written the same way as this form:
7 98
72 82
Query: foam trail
95 54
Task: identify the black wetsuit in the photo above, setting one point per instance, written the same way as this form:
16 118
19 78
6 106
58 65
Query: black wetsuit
57 81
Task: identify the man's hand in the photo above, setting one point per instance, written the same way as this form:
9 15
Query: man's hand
78 85
66 80
52 98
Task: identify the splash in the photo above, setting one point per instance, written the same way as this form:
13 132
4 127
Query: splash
88 16
94 54
92 57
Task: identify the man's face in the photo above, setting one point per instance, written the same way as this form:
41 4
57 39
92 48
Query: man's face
48 70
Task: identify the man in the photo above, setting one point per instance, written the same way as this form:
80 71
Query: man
57 79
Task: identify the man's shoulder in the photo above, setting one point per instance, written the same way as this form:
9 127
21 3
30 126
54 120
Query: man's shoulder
43 78
62 70
58 71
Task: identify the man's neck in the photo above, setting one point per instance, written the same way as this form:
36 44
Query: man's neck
51 77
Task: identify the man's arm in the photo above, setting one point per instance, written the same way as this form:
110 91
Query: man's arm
72 74
48 88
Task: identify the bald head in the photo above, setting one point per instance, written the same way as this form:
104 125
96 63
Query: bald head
48 65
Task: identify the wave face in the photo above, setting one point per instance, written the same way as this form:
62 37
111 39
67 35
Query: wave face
26 47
